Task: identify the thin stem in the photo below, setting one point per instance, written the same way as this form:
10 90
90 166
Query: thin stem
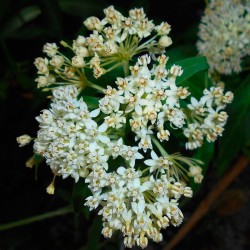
113 67
126 68
58 212
159 146
94 86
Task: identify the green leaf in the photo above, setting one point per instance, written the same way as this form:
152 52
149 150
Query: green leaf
237 132
195 74
205 154
197 83
80 193
191 66
92 102
180 53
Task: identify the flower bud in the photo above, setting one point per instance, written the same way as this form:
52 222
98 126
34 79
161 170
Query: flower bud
23 140
164 41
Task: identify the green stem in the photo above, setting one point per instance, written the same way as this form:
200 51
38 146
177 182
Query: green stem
94 86
126 68
159 146
19 223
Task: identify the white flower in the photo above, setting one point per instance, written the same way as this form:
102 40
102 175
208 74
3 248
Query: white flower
131 154
42 65
163 29
197 106
23 140
78 61
57 61
116 148
158 163
93 23
50 49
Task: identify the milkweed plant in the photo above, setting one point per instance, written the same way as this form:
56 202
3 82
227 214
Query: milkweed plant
126 119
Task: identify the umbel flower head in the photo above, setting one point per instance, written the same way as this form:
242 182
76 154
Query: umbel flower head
112 42
120 147
224 35
135 184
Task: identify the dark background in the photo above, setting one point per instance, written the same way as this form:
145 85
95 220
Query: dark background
25 26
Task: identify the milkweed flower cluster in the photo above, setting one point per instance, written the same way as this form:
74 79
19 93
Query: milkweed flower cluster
119 147
138 197
113 42
150 100
224 35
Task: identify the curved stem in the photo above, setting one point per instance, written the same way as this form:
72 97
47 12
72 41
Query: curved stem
159 146
19 223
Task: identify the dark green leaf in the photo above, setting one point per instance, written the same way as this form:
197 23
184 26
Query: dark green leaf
205 154
80 193
180 53
197 83
92 102
191 66
237 132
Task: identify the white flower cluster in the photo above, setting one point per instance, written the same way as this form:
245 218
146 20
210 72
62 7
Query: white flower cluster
121 37
150 99
224 35
68 135
113 42
137 202
72 142
206 118
135 183
136 194
139 206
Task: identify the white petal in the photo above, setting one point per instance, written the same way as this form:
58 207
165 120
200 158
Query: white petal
194 101
141 206
103 139
103 127
94 113
138 109
150 163
134 207
121 170
154 155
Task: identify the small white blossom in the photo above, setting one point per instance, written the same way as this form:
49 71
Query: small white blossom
23 140
224 35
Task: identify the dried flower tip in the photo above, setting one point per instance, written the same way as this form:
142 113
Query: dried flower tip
51 188
30 162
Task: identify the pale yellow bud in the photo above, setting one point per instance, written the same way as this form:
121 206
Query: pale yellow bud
23 140
164 41
51 188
